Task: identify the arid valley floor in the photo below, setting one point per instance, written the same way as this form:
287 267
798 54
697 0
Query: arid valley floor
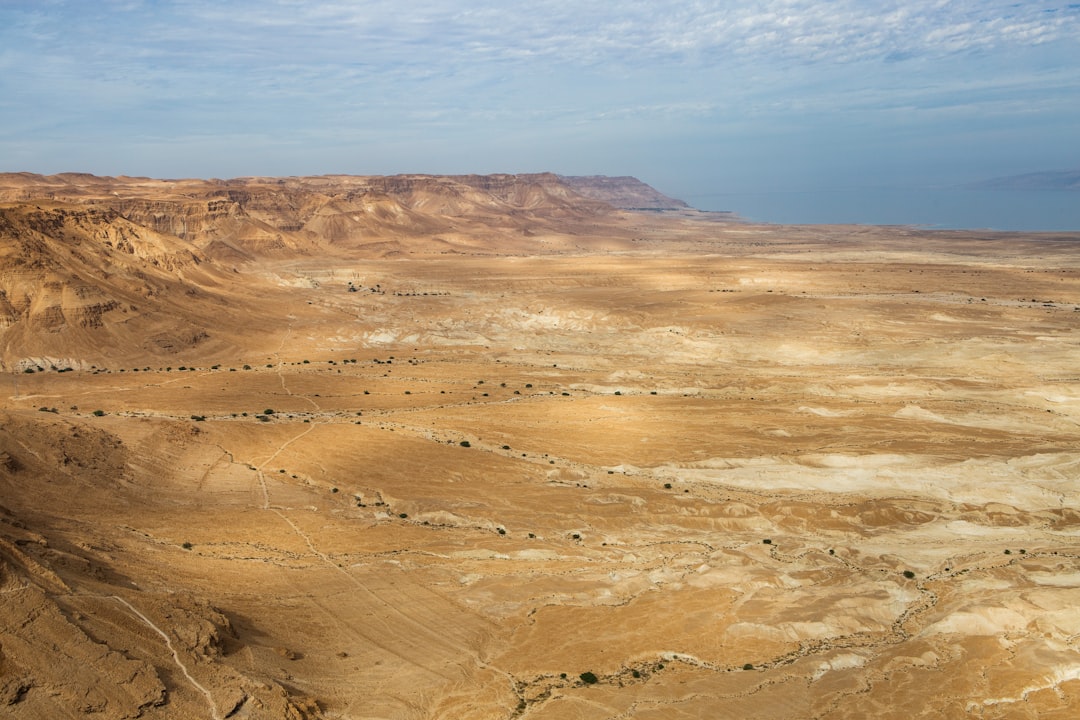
491 448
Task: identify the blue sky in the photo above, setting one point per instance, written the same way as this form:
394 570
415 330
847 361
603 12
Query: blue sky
692 96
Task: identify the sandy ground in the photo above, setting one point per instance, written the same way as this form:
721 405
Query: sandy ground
723 471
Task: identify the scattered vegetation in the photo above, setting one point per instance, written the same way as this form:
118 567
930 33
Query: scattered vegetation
589 678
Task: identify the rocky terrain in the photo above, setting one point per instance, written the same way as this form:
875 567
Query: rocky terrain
496 447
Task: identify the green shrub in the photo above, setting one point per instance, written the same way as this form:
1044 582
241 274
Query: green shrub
589 678
99 413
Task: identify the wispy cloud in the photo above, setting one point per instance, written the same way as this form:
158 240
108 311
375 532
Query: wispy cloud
247 34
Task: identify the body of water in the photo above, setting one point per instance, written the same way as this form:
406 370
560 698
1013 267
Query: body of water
945 208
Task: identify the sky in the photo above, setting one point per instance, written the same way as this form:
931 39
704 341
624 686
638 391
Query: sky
693 97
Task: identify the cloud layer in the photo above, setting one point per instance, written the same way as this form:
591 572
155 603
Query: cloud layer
289 83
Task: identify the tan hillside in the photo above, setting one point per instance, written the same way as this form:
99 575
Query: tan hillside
487 447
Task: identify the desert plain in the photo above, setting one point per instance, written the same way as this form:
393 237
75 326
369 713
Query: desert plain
495 447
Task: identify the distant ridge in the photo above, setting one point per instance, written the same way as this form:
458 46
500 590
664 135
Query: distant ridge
1054 180
93 268
624 192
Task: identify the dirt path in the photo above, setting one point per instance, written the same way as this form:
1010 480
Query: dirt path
176 656
280 364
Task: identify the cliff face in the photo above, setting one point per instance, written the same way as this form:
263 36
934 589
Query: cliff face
627 193
253 217
76 281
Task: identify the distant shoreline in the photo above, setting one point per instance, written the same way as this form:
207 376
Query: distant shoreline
951 208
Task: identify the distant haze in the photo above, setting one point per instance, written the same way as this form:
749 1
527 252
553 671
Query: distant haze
692 98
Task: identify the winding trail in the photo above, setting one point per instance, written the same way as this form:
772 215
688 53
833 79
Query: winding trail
280 364
176 656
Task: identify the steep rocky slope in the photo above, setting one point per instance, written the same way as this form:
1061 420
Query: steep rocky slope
81 285
77 638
